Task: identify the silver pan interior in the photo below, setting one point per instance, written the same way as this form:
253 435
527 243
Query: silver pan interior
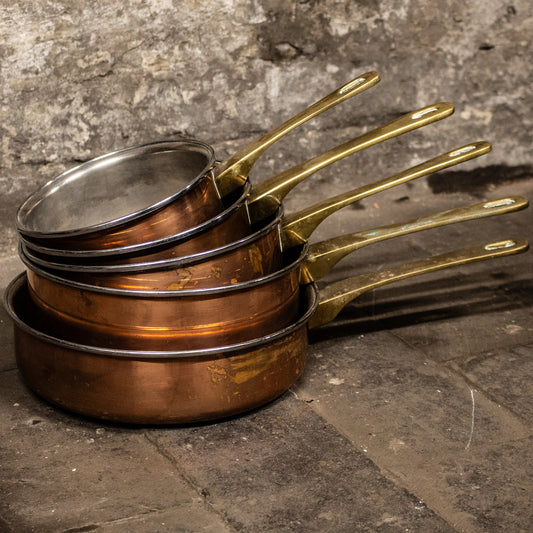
115 187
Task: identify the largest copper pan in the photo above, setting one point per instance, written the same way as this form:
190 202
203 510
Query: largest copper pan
202 318
162 188
259 204
244 259
169 387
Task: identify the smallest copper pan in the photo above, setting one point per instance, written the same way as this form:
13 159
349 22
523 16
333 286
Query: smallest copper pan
157 188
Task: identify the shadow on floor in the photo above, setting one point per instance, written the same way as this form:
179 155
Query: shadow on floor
425 302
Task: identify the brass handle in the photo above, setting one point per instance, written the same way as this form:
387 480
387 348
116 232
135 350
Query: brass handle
233 172
323 256
334 297
268 195
298 227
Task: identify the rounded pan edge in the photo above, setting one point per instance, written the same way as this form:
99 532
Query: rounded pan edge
167 240
32 202
293 262
18 285
144 266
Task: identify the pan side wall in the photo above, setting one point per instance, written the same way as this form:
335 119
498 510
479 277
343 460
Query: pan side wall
159 391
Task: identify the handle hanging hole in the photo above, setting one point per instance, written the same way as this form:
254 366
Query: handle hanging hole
351 85
499 203
500 245
424 112
464 150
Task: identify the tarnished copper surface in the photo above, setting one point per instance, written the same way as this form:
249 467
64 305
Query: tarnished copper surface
169 386
238 265
234 227
144 388
179 320
251 257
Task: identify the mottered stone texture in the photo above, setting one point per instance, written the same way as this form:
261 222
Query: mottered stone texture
81 79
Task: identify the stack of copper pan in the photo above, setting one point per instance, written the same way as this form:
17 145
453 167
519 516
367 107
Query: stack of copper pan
165 287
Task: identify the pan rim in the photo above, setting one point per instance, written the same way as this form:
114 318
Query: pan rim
37 196
169 294
161 264
163 241
311 296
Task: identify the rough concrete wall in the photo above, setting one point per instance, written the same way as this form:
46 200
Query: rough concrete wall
79 79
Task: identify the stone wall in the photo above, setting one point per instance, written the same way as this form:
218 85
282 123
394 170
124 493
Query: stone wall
79 79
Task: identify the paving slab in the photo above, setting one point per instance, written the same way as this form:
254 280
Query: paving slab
61 473
284 468
505 376
426 427
493 484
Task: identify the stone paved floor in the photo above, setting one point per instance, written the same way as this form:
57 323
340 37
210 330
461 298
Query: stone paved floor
413 414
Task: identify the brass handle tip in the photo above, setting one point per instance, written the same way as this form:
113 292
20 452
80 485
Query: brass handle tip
369 77
509 243
480 147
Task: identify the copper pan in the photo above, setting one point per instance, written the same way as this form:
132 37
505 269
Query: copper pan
203 318
152 190
256 255
262 202
171 387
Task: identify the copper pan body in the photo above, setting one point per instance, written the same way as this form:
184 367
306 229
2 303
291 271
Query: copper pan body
229 224
118 199
180 386
154 387
174 319
250 257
